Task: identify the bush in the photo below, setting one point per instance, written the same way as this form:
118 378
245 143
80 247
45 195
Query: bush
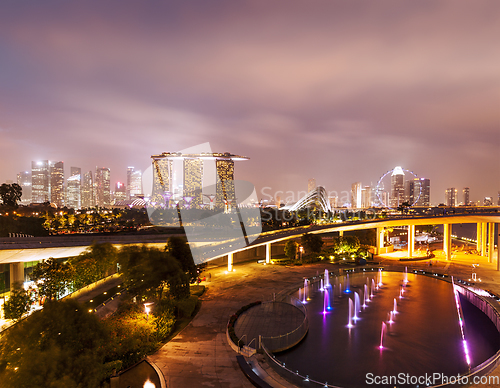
185 307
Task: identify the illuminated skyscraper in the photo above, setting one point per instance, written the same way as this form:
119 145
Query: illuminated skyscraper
24 180
311 185
102 187
73 189
417 191
356 195
451 197
88 199
40 183
57 183
366 197
193 171
225 195
466 192
120 193
193 180
397 187
134 182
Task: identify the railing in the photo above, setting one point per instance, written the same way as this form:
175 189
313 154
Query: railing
288 340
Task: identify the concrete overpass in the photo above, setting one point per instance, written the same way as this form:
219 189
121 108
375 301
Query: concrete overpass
485 232
17 251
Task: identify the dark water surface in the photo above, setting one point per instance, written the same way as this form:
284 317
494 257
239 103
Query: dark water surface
424 338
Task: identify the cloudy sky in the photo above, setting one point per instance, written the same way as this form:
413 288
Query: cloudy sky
341 91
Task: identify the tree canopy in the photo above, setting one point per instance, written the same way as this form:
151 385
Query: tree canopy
52 278
312 243
18 303
291 248
10 194
59 346
179 249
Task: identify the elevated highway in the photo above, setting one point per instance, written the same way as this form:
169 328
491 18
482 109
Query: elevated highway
16 251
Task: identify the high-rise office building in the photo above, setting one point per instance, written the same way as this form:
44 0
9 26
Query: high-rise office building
57 183
102 187
451 197
40 182
74 188
193 181
356 195
134 182
311 185
88 199
224 195
488 201
498 202
417 191
366 197
397 187
24 180
120 193
334 202
466 192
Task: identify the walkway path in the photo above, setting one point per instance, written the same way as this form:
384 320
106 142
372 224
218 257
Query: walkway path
199 356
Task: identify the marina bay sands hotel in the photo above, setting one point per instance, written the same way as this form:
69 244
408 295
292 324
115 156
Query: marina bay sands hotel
203 175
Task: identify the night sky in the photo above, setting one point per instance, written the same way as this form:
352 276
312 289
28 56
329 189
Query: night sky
341 91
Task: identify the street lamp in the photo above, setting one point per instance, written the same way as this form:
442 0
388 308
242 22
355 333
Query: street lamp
147 309
301 250
149 384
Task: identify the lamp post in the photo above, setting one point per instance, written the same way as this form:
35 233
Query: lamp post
147 309
301 250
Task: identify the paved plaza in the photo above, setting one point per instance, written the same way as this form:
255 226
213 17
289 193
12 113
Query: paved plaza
199 356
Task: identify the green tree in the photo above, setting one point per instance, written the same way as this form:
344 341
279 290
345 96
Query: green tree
52 278
291 248
179 249
18 303
93 264
312 243
60 346
10 194
148 271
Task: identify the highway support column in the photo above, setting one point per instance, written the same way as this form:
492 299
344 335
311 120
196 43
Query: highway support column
230 262
479 234
268 253
484 238
447 241
411 240
380 239
16 274
491 241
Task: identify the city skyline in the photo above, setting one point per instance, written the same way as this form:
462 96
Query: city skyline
339 92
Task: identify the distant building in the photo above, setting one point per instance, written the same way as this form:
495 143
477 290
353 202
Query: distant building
311 185
451 197
466 193
120 193
417 191
24 180
40 182
88 199
193 181
165 175
57 183
356 195
498 202
134 183
74 189
102 187
334 202
366 197
397 187
488 201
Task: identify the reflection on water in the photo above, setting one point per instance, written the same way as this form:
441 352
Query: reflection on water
424 336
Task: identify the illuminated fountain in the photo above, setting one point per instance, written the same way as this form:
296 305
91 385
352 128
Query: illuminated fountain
326 302
327 279
350 316
347 285
357 306
395 311
382 333
372 288
380 277
321 288
405 275
365 296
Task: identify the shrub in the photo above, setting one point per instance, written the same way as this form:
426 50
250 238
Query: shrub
185 307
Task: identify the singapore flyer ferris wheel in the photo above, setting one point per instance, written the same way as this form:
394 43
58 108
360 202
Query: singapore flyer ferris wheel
398 191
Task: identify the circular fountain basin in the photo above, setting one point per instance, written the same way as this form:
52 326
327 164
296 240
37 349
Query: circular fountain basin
424 337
